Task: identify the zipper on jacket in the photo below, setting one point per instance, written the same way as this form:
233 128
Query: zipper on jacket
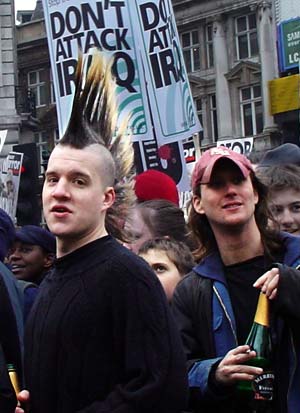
226 313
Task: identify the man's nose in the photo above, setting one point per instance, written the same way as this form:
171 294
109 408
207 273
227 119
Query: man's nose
61 189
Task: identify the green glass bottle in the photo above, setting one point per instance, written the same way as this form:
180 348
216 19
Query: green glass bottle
259 340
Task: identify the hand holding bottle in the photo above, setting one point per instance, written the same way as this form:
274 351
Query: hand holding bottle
23 397
268 283
232 368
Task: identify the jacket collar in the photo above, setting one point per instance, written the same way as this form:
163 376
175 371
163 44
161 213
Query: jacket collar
292 249
212 266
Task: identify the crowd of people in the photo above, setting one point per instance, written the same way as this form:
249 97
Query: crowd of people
122 305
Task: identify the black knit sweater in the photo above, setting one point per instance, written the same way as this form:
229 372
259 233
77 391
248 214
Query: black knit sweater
100 337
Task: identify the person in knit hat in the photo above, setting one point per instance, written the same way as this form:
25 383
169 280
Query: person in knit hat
153 184
11 318
32 253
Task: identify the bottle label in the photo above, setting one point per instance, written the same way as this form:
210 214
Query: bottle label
263 386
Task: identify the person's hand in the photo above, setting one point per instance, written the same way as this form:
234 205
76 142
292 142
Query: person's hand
23 399
231 369
268 283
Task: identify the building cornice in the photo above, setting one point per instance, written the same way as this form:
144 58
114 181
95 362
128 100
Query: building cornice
210 14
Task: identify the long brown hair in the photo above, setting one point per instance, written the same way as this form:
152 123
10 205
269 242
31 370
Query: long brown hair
202 231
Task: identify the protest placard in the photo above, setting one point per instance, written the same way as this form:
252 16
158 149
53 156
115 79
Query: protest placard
152 87
171 99
9 183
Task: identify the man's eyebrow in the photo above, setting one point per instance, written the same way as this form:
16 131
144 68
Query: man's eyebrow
72 173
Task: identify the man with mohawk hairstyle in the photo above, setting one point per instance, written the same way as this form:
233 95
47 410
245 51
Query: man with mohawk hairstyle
99 337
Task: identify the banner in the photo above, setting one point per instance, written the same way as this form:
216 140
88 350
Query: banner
171 100
9 183
243 145
118 29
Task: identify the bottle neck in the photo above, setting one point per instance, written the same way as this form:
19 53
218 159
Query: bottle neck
262 315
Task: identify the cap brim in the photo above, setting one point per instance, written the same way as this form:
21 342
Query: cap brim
209 169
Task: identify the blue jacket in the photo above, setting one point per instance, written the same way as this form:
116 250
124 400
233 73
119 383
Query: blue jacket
205 291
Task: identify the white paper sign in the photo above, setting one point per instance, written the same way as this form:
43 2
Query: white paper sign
243 145
9 183
148 65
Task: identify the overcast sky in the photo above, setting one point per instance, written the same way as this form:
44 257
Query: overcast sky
25 4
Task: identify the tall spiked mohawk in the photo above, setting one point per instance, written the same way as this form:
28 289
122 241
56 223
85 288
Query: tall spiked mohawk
93 120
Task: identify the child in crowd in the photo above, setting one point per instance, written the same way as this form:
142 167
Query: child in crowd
283 184
169 259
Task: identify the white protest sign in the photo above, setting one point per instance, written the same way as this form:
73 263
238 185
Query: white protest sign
9 183
243 145
72 25
172 105
117 28
3 135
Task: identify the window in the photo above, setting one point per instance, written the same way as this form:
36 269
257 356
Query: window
45 140
213 117
37 85
209 46
251 110
191 50
246 36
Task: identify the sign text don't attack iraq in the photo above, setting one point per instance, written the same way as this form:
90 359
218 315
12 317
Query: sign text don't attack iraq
148 64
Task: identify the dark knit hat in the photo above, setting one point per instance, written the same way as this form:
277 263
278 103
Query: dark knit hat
7 233
286 154
34 235
153 184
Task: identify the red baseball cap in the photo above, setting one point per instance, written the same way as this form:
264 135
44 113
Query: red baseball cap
153 184
204 167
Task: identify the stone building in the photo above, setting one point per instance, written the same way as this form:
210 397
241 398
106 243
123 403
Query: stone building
230 53
35 97
9 119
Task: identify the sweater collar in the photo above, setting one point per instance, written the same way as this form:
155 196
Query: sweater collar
82 256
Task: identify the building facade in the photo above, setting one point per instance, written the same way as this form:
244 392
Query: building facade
230 53
230 50
9 119
35 94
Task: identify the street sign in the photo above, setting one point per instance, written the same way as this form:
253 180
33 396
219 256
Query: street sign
289 44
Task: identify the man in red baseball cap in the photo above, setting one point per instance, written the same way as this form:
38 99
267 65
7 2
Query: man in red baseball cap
215 304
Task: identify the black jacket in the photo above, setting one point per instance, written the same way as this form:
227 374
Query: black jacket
192 308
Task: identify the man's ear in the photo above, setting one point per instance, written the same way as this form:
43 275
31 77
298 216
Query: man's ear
48 260
197 204
109 198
